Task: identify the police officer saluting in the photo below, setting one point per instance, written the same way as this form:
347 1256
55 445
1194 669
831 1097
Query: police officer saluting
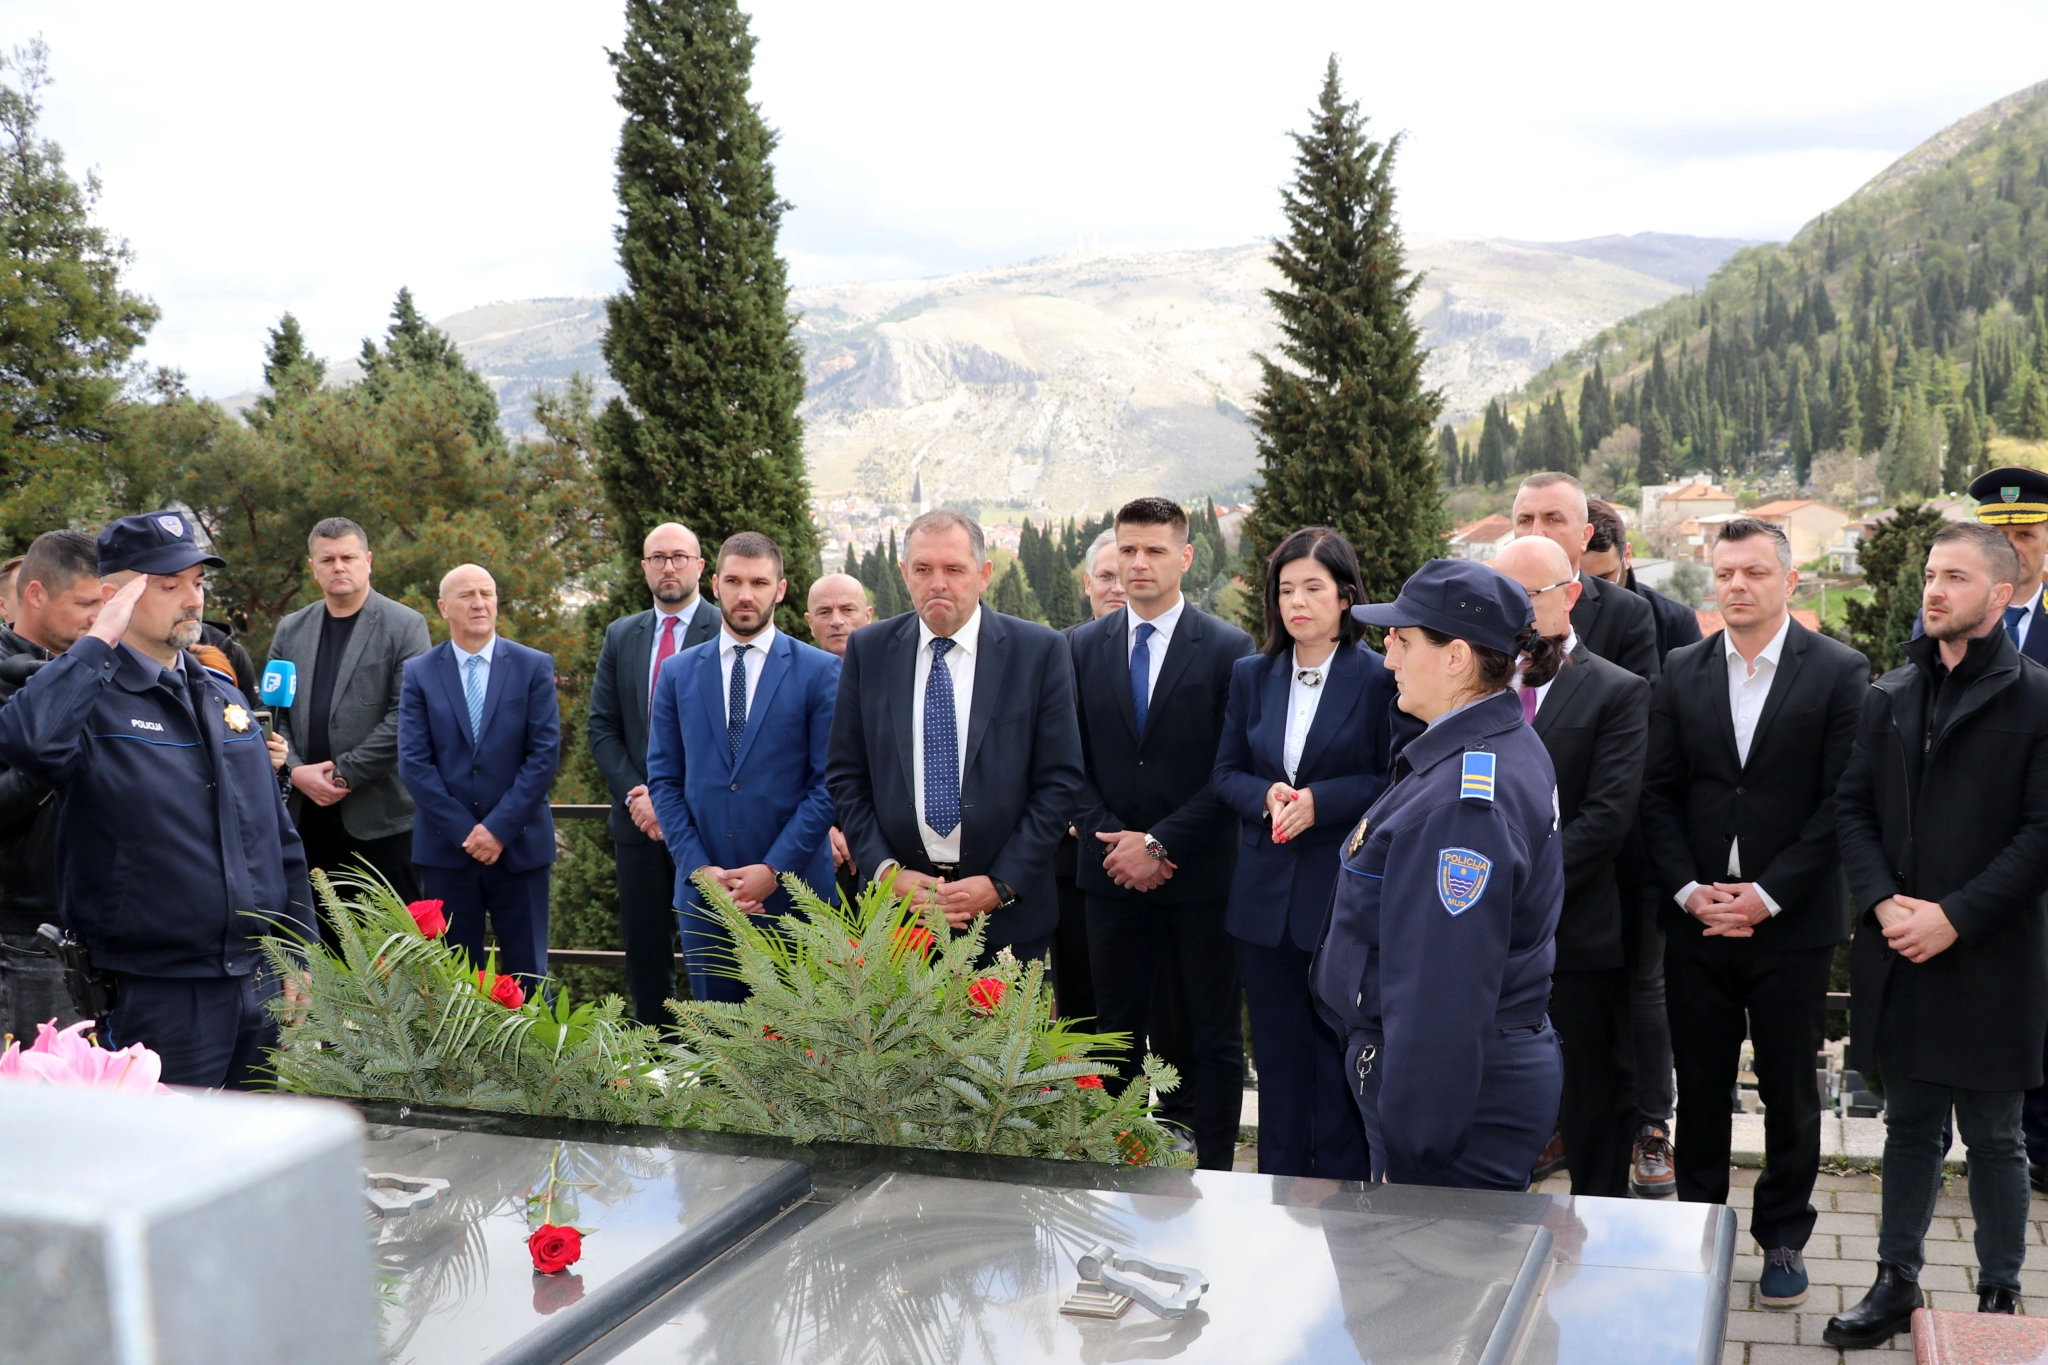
1436 959
173 847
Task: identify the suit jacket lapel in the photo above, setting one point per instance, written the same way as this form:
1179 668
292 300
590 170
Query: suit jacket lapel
900 664
2037 638
1562 689
370 619
772 671
1343 684
1116 648
1273 698
1187 638
703 625
494 690
636 656
992 653
450 670
1587 612
717 707
1716 666
1782 682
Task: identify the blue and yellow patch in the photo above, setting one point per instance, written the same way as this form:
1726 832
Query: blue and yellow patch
1461 878
1477 784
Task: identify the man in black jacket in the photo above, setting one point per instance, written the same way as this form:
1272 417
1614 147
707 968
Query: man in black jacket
57 597
1157 846
1749 732
1609 559
1613 622
1593 718
1944 835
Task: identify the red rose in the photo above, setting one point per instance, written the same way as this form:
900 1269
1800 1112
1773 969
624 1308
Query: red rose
554 1248
986 994
427 915
1088 1082
504 989
912 936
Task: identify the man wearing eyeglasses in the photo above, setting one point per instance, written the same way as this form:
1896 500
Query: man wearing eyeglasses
635 648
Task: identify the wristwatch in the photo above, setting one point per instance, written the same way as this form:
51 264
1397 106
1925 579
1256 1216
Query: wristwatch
1155 850
1006 895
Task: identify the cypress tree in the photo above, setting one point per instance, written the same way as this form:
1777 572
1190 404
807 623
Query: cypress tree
852 565
1961 463
1654 453
1447 452
701 339
1799 434
1344 429
2033 415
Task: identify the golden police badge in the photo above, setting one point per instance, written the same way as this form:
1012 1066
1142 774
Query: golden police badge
1358 836
236 717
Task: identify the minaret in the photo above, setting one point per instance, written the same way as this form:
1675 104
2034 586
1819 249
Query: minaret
917 499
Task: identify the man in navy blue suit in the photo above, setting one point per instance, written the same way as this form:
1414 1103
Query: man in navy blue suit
956 757
479 739
736 760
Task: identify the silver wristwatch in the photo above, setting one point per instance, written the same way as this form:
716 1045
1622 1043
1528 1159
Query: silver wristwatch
1155 850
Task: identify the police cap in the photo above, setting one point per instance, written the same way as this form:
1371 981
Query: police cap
1462 599
155 542
2011 497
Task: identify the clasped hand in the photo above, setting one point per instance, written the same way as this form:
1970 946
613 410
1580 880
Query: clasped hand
1728 909
1917 929
483 846
1129 865
640 809
959 901
749 886
1293 811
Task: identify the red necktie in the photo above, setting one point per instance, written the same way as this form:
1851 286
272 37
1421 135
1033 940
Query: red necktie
662 653
1529 704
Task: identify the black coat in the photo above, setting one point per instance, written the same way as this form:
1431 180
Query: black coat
1159 782
1677 624
1959 818
1017 788
619 696
1698 796
1617 625
28 829
1595 723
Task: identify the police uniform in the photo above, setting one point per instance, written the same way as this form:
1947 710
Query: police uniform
174 851
1436 956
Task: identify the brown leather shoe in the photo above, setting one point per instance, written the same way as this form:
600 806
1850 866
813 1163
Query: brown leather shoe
1649 1170
1552 1160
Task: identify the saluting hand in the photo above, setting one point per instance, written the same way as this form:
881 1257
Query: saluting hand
112 622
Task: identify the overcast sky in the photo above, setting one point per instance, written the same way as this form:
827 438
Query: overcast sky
317 157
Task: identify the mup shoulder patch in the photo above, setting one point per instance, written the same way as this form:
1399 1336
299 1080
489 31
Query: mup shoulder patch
1477 783
1461 878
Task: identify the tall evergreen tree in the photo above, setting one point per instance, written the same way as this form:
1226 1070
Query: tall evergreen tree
1876 398
1799 433
290 372
416 349
1653 456
1496 438
701 339
2033 415
1447 453
1344 428
1963 461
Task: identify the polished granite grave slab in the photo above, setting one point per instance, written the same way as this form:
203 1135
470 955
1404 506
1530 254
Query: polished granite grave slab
457 1283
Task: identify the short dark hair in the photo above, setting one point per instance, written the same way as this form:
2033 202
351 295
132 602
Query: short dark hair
1999 555
1749 528
1154 512
334 528
749 545
1609 531
1328 548
57 559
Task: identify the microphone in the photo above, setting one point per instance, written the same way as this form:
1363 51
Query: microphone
17 670
280 683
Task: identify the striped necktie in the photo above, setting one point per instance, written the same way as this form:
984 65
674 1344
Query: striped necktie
473 692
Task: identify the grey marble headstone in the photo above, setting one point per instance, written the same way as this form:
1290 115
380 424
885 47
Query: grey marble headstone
161 1230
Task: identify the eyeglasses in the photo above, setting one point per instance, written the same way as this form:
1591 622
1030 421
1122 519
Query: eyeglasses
1537 592
675 561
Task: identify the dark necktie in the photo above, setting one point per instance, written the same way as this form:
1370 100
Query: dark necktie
1529 704
662 652
2013 617
941 746
1141 670
736 701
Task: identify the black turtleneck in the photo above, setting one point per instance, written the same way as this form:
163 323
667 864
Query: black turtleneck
1945 686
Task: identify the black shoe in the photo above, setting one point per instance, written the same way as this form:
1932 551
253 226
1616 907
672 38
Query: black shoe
1885 1311
2037 1176
1991 1299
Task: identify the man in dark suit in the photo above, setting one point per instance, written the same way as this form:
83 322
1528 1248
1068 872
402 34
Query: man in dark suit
479 739
1157 846
1749 733
1594 719
956 757
1612 622
1650 1176
635 647
736 761
341 731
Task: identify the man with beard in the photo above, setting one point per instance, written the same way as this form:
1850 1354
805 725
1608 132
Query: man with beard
174 853
635 648
736 761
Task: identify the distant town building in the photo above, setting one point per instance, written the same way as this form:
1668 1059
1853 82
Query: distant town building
1481 539
1811 526
1666 504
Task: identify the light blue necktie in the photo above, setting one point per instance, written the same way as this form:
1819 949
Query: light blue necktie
1141 671
2013 617
473 691
941 746
736 701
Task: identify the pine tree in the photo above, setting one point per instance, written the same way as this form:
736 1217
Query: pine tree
1963 461
701 339
1344 428
1892 558
1013 596
416 349
290 371
2033 415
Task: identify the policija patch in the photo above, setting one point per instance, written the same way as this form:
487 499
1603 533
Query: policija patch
1461 878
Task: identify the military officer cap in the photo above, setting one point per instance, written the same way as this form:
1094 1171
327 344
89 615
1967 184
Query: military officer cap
1462 599
2011 497
155 542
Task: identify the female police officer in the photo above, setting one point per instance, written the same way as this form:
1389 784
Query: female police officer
1436 957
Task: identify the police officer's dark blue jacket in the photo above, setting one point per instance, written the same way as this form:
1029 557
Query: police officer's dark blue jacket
174 849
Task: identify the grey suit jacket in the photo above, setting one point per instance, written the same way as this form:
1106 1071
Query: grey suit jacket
362 720
619 696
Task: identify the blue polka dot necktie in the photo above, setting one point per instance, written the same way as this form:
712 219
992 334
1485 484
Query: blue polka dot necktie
473 693
941 746
1141 671
736 701
2013 617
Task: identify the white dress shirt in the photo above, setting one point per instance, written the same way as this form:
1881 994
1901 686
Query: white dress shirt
1749 687
757 659
2032 613
1155 647
1571 647
683 620
462 658
1304 693
960 664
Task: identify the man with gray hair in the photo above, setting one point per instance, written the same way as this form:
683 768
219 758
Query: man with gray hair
956 752
341 730
1609 620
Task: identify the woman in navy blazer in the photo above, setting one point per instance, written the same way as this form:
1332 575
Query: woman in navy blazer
1294 823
